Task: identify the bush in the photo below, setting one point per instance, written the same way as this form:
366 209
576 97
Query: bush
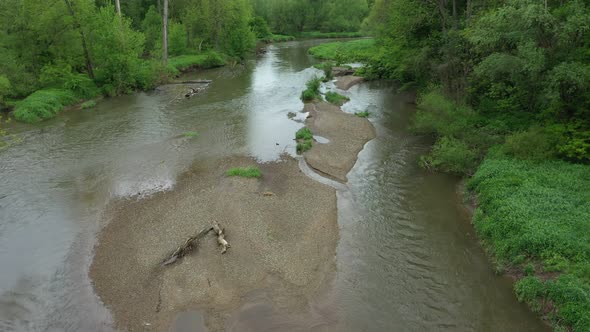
43 104
4 88
336 98
313 90
534 144
452 156
304 134
246 172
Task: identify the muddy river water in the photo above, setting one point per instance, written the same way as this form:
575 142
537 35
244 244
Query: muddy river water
407 258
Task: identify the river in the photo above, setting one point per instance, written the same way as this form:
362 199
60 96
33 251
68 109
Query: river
407 259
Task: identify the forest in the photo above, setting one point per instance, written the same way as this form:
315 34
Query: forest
503 92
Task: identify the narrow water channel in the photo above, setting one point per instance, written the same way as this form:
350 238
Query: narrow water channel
407 258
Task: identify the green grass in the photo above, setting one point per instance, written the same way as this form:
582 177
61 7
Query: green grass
88 104
245 172
181 63
336 98
43 104
360 50
280 38
304 146
304 134
312 91
363 114
190 134
535 217
318 34
304 138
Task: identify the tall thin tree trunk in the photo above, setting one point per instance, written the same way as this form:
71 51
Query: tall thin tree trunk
455 18
83 37
165 34
443 15
118 6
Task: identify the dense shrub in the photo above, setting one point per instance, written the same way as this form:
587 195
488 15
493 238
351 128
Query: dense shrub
43 105
452 156
351 51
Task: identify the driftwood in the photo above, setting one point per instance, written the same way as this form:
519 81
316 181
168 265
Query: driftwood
191 243
193 92
185 248
220 237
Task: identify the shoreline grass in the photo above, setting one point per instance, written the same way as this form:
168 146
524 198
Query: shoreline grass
318 34
312 91
363 114
245 172
304 138
206 60
336 98
360 50
43 105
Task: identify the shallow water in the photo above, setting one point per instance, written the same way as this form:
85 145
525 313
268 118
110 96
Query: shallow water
407 258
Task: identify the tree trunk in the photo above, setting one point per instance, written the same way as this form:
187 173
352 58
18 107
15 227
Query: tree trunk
443 15
83 37
165 34
118 6
455 18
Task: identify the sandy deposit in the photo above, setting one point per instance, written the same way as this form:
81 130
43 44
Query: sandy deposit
347 135
346 82
284 242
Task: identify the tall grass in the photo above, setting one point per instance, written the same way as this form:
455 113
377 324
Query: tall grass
312 90
336 98
535 217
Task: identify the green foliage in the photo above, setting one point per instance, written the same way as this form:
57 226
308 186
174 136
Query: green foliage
363 114
190 134
336 98
5 88
540 211
360 50
185 62
246 172
260 28
176 39
304 134
304 146
320 35
43 105
304 138
535 144
451 155
61 76
88 104
275 38
312 91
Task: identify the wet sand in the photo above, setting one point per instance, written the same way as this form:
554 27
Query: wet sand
285 242
347 135
346 82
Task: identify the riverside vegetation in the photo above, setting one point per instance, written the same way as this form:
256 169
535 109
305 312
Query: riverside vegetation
58 53
504 89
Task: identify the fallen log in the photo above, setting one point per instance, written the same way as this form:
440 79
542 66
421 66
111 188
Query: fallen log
220 237
185 248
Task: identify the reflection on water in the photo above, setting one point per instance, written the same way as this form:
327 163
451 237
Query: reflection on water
407 259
